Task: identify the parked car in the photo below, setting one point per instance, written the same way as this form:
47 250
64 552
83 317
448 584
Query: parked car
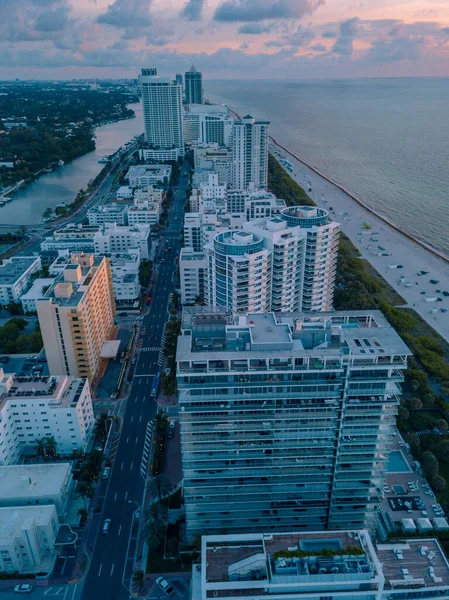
106 472
172 423
107 526
23 588
170 434
165 586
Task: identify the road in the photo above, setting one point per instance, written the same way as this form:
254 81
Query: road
112 555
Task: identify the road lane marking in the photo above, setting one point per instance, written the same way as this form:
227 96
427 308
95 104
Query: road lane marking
112 569
121 468
115 497
119 530
132 465
99 570
140 418
132 418
127 439
126 495
137 438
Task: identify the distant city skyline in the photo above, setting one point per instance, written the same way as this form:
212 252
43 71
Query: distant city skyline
291 39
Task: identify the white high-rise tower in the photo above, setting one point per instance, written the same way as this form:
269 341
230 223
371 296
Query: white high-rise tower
250 154
162 110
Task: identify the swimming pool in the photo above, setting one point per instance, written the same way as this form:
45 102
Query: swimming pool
397 463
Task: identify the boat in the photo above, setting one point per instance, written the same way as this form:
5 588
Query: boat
105 159
62 205
60 163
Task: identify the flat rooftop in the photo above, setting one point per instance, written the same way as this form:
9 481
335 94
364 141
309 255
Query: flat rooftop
25 481
11 270
37 289
14 520
356 333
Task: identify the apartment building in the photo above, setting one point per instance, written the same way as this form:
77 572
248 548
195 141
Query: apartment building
193 82
112 239
211 157
37 290
41 484
146 175
125 275
286 420
76 316
207 124
76 232
43 407
15 277
254 204
109 213
146 209
27 538
250 154
192 273
337 565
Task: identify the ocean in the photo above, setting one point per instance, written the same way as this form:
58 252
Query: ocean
384 140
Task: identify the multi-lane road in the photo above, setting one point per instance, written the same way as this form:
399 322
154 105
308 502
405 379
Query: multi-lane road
112 555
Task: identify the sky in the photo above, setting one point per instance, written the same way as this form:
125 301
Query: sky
234 39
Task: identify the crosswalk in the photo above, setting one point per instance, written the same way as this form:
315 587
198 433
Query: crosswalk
148 349
146 450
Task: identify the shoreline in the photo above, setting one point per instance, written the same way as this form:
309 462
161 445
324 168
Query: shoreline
383 218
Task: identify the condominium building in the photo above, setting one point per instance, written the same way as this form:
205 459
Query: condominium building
15 277
254 204
109 213
192 273
27 539
146 209
239 272
337 565
76 316
162 111
49 483
304 245
112 238
193 83
34 408
146 175
213 193
160 155
250 153
207 124
286 420
125 275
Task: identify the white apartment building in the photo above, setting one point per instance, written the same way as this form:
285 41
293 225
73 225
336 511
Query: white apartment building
145 175
76 232
192 272
147 207
201 228
50 407
213 193
15 276
70 244
207 124
125 192
239 272
211 157
286 420
37 290
304 246
76 316
250 154
125 275
254 204
160 155
162 111
337 565
27 537
41 484
109 213
112 238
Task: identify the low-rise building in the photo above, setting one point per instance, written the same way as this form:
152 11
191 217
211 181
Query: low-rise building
159 155
15 277
147 206
140 175
25 485
116 239
76 232
27 538
70 244
109 213
37 290
340 565
192 272
34 408
125 192
125 275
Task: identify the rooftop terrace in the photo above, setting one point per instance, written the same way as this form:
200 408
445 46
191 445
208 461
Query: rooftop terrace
62 391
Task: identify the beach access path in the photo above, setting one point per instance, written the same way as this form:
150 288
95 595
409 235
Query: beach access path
402 250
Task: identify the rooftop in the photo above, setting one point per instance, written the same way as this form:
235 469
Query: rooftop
12 269
25 481
14 520
153 170
36 290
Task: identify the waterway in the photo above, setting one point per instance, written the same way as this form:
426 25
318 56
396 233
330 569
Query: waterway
63 184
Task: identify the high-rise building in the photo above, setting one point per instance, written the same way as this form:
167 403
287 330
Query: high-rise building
286 420
250 153
207 124
162 111
193 82
178 78
76 316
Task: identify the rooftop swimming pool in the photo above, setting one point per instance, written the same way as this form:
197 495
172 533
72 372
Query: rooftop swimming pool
397 463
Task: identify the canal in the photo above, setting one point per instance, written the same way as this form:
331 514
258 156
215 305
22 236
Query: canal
63 184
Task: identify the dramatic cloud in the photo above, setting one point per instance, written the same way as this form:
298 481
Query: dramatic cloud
192 10
131 16
259 10
401 48
348 32
254 28
53 20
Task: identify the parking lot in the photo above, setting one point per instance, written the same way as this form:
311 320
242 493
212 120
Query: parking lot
180 586
32 365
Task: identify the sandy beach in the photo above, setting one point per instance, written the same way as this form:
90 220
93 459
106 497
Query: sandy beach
400 249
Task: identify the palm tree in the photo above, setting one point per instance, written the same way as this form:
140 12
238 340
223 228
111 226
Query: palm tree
138 580
159 487
154 533
83 515
40 447
101 427
50 446
84 490
158 511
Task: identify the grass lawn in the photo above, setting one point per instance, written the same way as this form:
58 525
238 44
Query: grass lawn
387 293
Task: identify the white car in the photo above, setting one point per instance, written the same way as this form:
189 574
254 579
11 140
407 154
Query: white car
172 423
23 588
165 586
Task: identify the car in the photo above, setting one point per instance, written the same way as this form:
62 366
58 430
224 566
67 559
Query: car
165 586
167 371
162 260
434 281
444 292
439 299
106 472
23 588
172 423
106 526
443 310
170 434
98 447
422 293
152 336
